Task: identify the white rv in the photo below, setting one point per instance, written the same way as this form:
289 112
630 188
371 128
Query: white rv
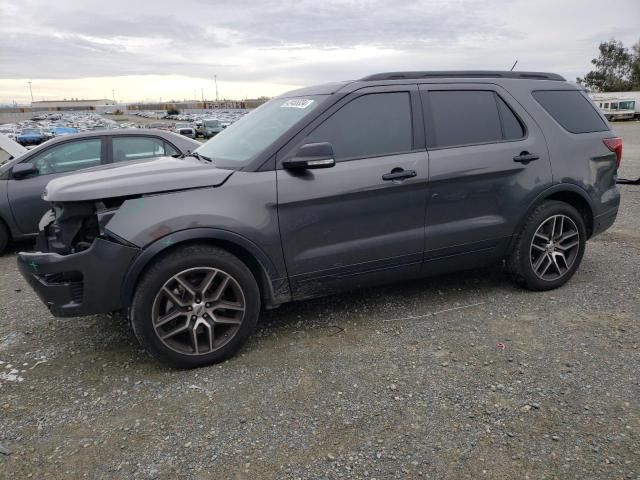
618 105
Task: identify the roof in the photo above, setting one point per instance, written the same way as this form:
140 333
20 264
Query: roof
414 76
463 74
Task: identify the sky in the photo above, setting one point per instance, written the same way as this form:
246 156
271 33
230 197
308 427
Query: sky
147 50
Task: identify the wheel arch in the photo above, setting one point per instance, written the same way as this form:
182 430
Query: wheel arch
564 192
273 290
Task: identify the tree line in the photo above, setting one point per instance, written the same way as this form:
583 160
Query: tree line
617 69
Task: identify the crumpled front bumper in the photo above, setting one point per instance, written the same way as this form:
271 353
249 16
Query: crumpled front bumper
78 284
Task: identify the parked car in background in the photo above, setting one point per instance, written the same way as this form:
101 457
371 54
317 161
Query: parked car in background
31 136
61 131
23 180
10 149
343 185
211 127
159 126
185 129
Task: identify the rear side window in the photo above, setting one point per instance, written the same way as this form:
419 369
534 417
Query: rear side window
469 117
372 125
571 110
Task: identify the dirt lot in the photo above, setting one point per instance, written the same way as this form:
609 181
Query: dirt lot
489 381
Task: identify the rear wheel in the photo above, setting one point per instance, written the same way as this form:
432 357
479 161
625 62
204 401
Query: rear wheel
549 248
195 307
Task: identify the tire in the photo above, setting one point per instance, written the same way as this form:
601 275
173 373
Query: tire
548 252
5 237
182 275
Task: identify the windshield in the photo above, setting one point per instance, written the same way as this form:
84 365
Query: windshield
29 131
212 123
237 144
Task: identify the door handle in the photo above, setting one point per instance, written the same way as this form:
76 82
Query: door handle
525 157
399 174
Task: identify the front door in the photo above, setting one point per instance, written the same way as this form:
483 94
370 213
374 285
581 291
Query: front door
362 219
488 161
25 195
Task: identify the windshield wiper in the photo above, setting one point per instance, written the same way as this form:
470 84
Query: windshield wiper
199 156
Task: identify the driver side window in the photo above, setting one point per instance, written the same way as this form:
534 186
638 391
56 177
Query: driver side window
69 157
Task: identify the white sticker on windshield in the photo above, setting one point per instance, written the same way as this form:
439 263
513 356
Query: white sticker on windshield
297 103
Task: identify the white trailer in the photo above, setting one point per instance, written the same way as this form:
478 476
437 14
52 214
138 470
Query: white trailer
618 105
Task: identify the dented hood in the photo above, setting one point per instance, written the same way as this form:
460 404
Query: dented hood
135 178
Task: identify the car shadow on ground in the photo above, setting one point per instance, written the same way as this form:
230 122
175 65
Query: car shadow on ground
368 307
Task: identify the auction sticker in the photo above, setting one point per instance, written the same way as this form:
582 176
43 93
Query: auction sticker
297 103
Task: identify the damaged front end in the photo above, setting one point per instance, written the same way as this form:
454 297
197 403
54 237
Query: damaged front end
79 266
68 270
72 227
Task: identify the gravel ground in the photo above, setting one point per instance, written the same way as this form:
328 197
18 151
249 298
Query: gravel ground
489 382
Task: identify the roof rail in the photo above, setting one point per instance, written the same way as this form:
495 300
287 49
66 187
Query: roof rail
463 74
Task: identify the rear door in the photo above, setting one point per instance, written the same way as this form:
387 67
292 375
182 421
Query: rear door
25 195
488 160
346 226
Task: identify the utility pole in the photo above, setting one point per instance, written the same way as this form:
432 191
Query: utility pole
113 92
202 93
215 80
30 91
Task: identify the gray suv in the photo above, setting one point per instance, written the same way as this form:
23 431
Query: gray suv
327 188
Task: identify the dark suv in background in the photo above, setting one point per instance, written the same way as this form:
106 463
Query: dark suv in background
327 188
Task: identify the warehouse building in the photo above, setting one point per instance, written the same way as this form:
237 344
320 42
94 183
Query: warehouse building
70 105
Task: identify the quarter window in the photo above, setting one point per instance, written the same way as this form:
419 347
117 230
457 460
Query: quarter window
571 110
136 148
69 156
372 125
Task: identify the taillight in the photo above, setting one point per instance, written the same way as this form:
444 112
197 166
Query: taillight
615 145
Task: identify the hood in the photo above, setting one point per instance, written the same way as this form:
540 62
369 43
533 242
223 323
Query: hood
12 148
134 178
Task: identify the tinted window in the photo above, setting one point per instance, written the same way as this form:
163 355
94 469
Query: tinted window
571 110
511 126
136 148
68 157
463 118
371 125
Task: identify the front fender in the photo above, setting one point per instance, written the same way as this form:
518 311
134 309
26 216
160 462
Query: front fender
275 287
242 213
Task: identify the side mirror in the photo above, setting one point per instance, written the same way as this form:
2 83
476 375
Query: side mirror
311 155
22 170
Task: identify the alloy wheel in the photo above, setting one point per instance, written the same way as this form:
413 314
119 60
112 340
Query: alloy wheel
554 247
198 311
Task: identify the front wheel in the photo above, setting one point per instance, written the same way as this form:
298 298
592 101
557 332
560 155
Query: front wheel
549 249
194 307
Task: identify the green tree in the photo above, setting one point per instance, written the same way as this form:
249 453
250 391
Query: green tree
635 66
612 72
